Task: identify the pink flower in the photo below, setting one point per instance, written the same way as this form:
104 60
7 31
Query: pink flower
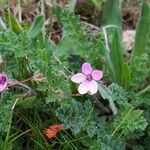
3 81
87 79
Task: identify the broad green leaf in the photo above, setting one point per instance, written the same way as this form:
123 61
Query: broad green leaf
126 76
116 57
36 27
113 41
112 13
142 32
104 93
141 46
13 23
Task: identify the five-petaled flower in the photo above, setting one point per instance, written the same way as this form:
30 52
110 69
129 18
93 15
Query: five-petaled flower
52 131
87 79
3 81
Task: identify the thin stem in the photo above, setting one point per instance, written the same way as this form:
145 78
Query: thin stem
15 82
122 132
20 135
10 121
19 11
144 90
91 25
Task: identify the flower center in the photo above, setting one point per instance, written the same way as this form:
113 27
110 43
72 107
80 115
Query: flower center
2 80
89 77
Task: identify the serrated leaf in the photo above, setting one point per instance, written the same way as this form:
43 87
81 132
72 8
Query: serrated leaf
129 120
73 40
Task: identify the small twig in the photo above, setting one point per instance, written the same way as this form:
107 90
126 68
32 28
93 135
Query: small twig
75 94
26 80
91 25
29 91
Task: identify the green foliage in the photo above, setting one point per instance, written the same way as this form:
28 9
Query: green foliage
13 23
128 121
118 94
142 36
73 34
36 27
98 3
87 124
140 55
112 13
5 111
78 117
104 93
119 71
107 143
140 67
76 43
81 118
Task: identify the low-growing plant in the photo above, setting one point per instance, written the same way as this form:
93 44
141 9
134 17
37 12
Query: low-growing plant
46 104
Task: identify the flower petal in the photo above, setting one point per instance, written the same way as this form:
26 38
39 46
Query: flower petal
93 87
3 81
86 68
78 78
97 74
83 87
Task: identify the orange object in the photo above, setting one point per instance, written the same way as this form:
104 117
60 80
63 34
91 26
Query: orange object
52 131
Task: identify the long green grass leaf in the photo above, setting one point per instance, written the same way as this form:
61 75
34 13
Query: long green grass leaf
36 27
142 32
13 23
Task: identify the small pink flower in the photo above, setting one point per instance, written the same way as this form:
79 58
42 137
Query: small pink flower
87 79
3 81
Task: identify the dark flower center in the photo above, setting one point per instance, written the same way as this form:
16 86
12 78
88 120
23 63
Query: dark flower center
2 80
89 77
